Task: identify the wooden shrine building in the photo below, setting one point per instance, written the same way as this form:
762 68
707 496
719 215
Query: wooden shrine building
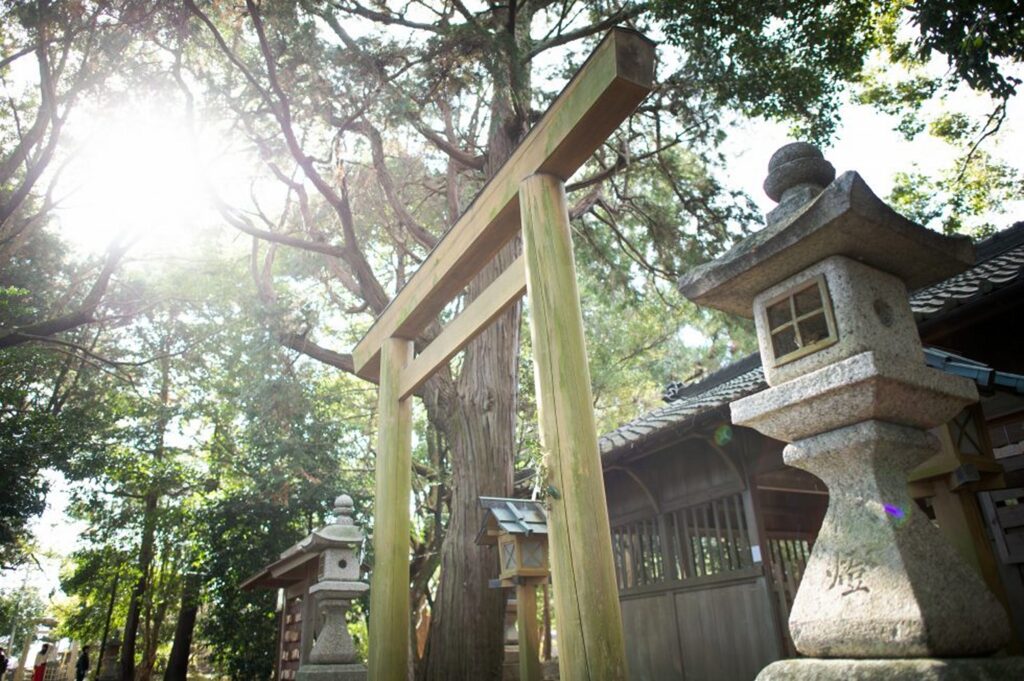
711 531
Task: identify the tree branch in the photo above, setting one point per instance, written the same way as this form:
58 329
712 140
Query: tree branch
387 183
300 343
563 38
83 315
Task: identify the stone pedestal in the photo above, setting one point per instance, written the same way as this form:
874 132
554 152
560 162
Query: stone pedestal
333 644
332 672
882 581
957 669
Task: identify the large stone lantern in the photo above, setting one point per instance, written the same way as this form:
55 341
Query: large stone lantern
884 596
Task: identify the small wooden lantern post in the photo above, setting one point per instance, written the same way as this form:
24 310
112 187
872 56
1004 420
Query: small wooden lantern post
519 528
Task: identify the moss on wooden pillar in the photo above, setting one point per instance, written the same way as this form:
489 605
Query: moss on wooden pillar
389 588
586 598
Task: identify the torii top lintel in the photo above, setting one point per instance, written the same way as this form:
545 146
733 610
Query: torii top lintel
605 91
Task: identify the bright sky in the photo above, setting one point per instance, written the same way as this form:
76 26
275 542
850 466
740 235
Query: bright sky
867 142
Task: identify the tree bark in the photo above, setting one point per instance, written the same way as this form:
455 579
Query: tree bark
146 548
106 626
177 663
467 626
131 624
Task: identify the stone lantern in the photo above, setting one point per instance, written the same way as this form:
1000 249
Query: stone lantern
320 575
109 666
519 528
884 596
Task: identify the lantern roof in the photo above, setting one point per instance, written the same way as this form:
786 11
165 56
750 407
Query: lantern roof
511 516
291 567
819 217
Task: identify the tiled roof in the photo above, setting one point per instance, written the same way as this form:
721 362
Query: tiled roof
743 378
1001 262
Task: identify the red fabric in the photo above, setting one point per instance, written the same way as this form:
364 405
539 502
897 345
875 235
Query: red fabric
38 672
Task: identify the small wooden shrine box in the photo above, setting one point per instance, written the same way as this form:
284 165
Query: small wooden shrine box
519 528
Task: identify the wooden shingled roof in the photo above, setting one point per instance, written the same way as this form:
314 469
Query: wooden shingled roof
1000 264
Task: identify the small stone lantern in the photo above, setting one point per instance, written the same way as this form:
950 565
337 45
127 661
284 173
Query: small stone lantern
110 667
519 528
884 596
320 575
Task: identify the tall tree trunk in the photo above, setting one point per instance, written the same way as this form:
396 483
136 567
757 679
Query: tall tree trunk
131 624
177 663
155 613
106 627
467 627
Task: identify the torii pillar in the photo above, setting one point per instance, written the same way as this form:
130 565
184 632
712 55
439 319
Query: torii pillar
528 193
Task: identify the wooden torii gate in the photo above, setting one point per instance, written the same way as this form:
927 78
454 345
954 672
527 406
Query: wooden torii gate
528 193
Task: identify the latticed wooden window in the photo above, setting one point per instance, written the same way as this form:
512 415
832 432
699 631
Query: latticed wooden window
800 321
711 538
694 541
508 556
967 438
637 551
533 553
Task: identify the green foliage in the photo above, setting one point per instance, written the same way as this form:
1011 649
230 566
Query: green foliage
903 99
961 199
240 535
96 573
19 610
979 39
791 60
788 59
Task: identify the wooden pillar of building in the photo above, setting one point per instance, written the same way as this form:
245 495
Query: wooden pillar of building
589 619
389 592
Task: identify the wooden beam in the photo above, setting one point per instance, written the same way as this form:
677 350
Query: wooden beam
389 593
590 638
478 315
605 91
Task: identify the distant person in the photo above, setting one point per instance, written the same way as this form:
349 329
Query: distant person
82 665
39 667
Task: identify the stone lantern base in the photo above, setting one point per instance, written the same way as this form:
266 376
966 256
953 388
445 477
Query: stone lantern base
920 669
332 672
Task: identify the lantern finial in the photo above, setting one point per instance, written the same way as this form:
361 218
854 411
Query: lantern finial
343 508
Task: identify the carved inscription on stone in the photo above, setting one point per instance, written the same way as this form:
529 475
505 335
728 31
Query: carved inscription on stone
846 572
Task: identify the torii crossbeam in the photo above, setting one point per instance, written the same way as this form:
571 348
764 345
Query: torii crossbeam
528 193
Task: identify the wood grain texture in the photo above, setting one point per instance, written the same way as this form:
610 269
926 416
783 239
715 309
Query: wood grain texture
605 91
711 621
652 637
583 573
529 635
389 590
504 291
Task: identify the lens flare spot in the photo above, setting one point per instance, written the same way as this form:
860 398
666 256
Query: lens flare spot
896 513
723 435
